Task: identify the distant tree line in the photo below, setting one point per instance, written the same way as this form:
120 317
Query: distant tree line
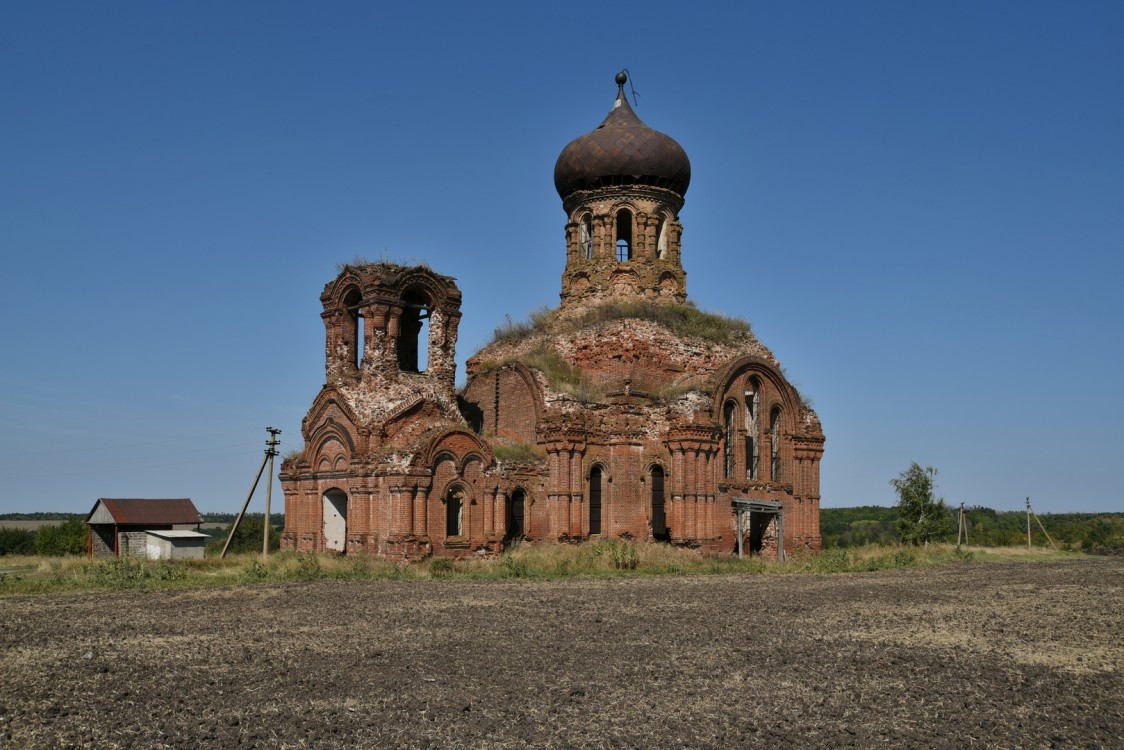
277 519
873 524
41 516
67 538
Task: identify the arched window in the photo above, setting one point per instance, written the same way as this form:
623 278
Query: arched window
353 336
775 441
413 333
661 238
454 512
595 500
659 513
752 429
514 524
624 235
585 236
728 432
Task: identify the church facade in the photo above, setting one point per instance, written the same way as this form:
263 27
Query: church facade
625 412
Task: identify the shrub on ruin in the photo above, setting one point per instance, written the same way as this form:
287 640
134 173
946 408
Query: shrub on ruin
513 451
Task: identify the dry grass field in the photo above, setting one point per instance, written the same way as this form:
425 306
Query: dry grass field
1000 654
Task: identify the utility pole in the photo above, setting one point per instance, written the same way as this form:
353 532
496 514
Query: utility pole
960 529
270 451
1028 523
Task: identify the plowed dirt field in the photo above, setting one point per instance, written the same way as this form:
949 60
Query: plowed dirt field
995 655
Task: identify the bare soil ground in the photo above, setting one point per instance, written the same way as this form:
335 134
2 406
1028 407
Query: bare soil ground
1017 654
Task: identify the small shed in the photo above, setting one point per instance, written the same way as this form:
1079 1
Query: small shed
121 526
176 544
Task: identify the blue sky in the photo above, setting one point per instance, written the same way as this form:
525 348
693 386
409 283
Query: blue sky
919 206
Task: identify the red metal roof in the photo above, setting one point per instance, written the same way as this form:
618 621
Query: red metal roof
140 511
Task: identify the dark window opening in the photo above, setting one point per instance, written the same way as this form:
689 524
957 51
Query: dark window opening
514 522
413 333
728 428
353 336
595 500
659 513
454 512
624 235
752 441
775 440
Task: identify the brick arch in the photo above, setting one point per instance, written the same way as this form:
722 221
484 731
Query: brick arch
424 281
624 282
778 388
606 470
619 206
457 442
520 393
335 292
580 282
330 408
330 430
330 453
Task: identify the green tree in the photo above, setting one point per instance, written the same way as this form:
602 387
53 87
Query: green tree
68 538
921 517
17 541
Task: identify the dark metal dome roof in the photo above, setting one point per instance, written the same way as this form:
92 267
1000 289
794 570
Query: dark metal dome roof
622 151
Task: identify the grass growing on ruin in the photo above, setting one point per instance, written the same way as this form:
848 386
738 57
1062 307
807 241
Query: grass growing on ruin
682 319
607 557
516 452
562 376
685 320
517 330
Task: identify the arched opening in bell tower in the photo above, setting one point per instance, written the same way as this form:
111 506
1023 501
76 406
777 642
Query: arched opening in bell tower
413 332
353 336
585 237
624 235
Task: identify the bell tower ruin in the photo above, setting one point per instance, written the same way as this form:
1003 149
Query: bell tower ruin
622 187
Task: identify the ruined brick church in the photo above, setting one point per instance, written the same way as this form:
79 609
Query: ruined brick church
625 412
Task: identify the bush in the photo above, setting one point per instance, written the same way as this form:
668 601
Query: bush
515 568
439 567
69 538
17 542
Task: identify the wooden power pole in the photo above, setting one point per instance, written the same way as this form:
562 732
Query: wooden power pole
270 452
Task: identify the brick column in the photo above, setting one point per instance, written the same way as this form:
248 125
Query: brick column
421 510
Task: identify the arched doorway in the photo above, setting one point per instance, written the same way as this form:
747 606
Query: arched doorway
514 520
335 521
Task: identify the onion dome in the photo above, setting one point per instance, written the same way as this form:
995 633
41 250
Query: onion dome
622 151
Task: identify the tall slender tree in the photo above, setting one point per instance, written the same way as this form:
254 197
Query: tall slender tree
921 517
